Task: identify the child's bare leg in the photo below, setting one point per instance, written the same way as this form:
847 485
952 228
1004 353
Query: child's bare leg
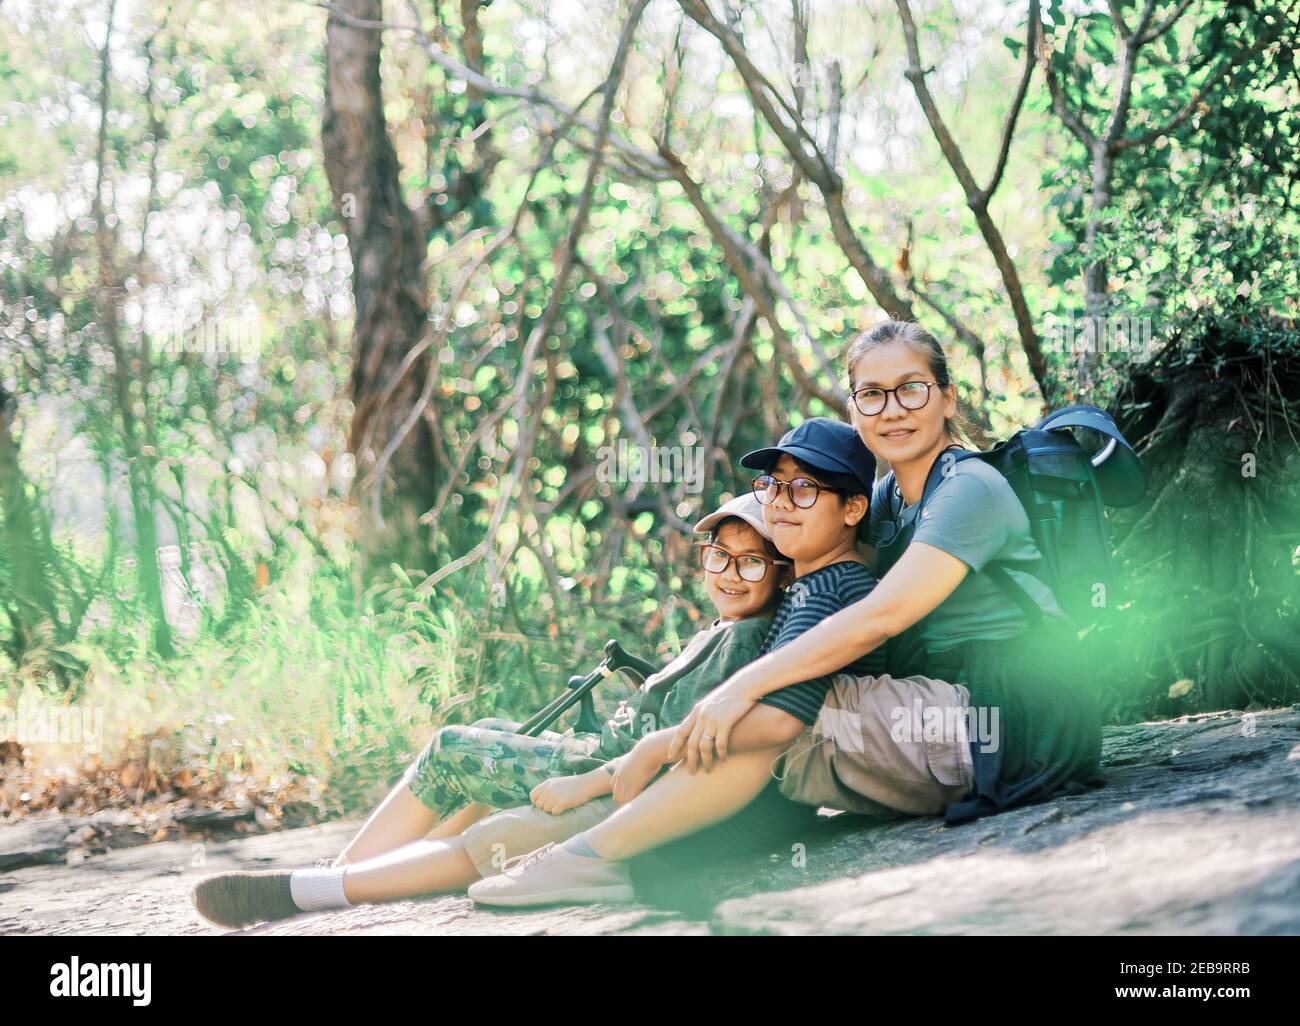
456 824
400 818
421 867
399 825
435 782
390 855
679 803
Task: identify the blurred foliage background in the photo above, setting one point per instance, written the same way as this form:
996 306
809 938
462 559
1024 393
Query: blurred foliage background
316 324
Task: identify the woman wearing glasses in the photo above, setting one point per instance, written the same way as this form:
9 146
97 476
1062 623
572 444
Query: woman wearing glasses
958 594
1017 719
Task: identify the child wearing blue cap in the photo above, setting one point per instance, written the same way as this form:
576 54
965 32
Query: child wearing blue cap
813 487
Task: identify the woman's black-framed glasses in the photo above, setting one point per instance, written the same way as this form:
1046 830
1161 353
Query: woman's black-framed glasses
803 491
911 395
715 560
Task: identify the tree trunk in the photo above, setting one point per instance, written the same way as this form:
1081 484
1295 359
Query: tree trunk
388 284
30 601
141 457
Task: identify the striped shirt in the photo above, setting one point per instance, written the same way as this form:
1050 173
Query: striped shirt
808 602
771 821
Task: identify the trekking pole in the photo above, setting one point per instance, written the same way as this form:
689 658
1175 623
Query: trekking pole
580 690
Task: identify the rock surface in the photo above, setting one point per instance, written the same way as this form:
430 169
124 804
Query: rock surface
1197 831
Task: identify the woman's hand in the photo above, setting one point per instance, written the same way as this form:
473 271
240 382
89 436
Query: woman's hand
706 731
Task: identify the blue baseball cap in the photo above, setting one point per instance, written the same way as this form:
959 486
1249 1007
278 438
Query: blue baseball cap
822 444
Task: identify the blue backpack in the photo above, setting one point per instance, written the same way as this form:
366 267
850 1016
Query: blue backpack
1064 489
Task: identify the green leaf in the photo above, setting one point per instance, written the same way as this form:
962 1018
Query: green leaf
1156 262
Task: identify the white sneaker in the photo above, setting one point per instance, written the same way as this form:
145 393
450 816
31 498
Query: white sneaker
552 876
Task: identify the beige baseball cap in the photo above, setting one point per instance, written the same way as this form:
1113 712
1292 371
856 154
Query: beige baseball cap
746 506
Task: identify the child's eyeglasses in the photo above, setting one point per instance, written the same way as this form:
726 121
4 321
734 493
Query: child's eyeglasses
750 568
803 492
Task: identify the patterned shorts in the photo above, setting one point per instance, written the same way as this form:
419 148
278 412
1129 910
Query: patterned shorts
489 763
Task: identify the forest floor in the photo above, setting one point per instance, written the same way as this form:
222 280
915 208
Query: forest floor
1197 831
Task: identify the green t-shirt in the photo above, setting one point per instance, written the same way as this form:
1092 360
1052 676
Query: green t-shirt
974 515
711 656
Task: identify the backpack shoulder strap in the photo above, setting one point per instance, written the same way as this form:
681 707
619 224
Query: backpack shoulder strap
997 573
939 467
888 488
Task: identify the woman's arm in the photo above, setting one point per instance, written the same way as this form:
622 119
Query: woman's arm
922 578
914 587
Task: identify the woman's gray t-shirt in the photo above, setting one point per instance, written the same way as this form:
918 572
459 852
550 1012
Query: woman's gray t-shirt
974 515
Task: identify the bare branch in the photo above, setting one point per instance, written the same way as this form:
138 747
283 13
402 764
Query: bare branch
473 555
487 85
1130 45
958 326
1144 22
1117 16
916 75
1069 118
708 358
623 396
1013 115
1224 67
799 15
673 79
977 199
834 114
528 425
431 377
1166 25
734 250
803 148
788 128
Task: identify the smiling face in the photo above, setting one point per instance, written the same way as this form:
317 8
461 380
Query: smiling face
735 598
816 536
896 434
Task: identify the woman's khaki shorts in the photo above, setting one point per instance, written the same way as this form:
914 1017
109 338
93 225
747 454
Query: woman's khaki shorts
512 832
883 746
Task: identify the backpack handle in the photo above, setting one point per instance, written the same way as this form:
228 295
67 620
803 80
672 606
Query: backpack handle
1104 455
1121 478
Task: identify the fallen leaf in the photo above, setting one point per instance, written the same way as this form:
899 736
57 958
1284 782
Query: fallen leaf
1180 687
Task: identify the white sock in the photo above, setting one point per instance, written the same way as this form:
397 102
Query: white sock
315 889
